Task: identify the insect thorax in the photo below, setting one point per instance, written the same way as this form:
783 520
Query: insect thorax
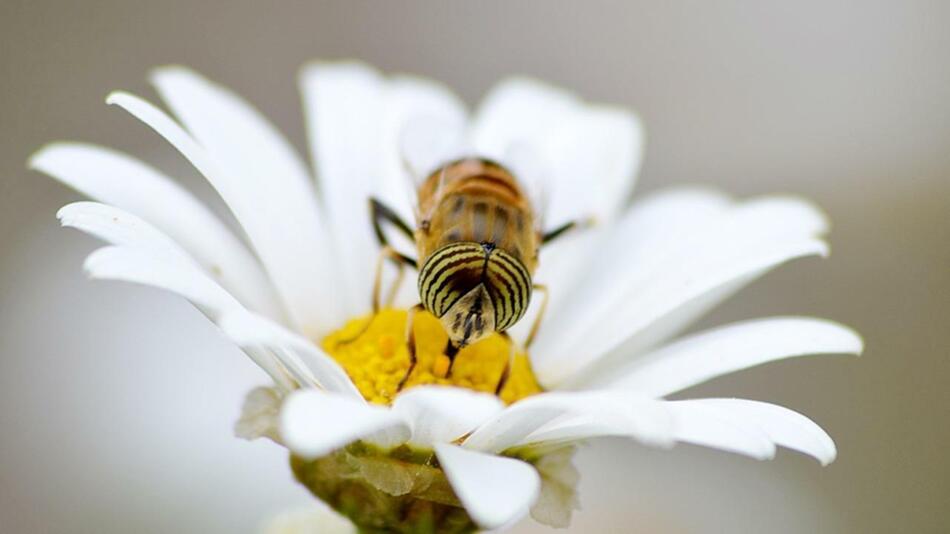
477 201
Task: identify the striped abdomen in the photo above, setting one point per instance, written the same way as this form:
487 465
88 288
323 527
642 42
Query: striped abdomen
474 289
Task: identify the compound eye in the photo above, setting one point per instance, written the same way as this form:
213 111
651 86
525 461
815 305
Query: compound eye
510 288
449 274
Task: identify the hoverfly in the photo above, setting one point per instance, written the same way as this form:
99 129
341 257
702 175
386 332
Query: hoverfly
477 243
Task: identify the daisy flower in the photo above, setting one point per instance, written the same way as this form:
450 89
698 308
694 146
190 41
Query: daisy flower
291 286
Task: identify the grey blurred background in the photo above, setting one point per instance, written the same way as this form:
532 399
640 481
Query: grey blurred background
116 402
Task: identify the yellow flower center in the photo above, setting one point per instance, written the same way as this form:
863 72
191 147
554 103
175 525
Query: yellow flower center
377 358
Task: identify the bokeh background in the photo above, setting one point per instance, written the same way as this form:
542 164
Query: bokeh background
116 402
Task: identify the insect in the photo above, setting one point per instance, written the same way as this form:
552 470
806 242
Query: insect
477 242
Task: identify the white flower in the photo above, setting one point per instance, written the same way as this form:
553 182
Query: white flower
314 519
621 292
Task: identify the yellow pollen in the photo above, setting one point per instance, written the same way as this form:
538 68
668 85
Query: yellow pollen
376 358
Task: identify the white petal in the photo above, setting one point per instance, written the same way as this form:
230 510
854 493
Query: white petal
704 425
314 423
728 349
645 420
149 257
594 158
637 335
590 414
117 227
785 427
260 178
782 426
656 228
427 142
117 179
165 271
520 109
162 124
343 105
494 490
751 238
444 414
592 152
681 317
587 158
641 239
177 273
146 256
300 356
259 414
410 99
517 421
354 118
316 518
561 265
558 497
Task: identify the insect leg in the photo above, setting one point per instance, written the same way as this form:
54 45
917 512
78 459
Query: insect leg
386 253
579 224
380 213
451 351
394 287
537 320
506 372
410 343
390 253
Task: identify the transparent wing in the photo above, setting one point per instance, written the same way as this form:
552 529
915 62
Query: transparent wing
527 165
427 142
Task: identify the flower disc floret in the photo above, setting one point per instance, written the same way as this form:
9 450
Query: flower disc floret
376 358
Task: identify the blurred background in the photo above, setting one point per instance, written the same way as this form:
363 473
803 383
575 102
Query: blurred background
117 402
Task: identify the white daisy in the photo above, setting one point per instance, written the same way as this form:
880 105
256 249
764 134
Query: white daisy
315 519
296 281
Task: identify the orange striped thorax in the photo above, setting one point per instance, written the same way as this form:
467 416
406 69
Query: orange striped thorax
477 243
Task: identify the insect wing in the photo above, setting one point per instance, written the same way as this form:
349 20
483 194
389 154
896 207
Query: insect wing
428 142
528 168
